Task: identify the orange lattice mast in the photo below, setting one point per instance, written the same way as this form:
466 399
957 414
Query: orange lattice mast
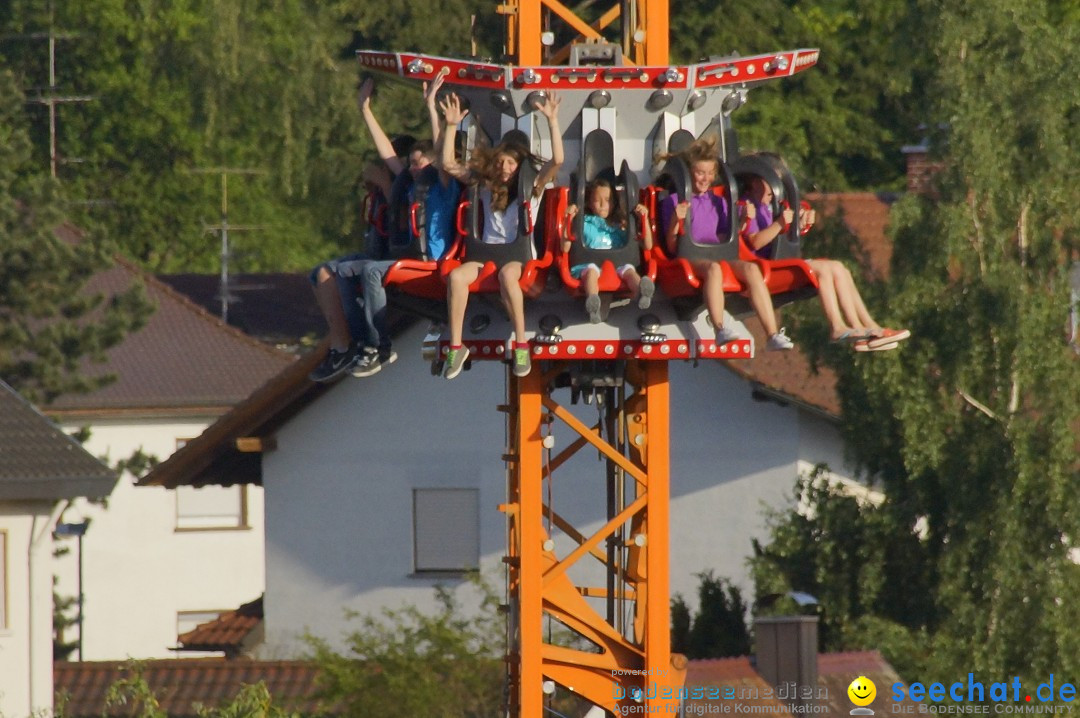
644 25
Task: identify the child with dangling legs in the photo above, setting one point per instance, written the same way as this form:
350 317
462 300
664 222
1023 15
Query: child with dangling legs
496 171
841 302
711 221
604 227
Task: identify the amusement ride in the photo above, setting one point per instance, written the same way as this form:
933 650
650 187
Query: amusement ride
623 105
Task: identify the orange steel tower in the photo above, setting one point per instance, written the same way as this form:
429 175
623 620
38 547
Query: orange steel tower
627 661
644 26
622 660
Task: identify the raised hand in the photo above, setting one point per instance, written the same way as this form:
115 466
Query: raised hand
363 96
451 109
549 106
431 89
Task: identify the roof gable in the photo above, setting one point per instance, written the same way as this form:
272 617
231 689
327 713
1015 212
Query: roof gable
184 358
39 461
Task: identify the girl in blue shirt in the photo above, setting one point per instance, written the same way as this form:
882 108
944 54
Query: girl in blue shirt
604 227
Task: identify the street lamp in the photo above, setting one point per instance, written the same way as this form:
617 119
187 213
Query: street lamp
78 531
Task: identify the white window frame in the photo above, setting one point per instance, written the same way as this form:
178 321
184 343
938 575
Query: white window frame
428 516
224 521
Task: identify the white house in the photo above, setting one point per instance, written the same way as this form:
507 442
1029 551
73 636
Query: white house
361 476
157 562
41 469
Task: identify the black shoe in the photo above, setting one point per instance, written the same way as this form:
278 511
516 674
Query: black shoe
371 361
334 364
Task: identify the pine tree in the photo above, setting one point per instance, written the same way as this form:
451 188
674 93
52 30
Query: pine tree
48 325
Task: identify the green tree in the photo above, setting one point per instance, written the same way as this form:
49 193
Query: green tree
841 125
718 629
970 430
49 324
408 662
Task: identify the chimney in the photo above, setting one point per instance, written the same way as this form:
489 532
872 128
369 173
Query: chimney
920 169
787 657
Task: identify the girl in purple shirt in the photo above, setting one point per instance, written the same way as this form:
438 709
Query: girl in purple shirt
712 216
840 299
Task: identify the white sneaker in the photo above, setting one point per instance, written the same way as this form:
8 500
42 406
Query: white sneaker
455 362
779 342
726 334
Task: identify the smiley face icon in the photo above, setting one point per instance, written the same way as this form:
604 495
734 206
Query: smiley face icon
862 691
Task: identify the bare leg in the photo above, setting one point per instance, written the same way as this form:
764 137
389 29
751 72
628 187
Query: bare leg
827 296
328 298
633 281
457 297
513 298
592 281
859 316
750 275
712 289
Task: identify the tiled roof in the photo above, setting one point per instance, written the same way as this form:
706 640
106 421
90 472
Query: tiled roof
213 457
276 308
183 358
742 689
181 685
866 214
787 376
748 692
39 461
226 632
837 670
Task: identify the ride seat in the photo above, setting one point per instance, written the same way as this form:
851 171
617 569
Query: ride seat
597 162
676 275
530 247
375 210
415 272
789 277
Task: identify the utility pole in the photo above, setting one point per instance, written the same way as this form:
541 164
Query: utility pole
224 227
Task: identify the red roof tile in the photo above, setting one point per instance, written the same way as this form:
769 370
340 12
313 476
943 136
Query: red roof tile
743 690
836 671
180 685
183 358
225 633
866 214
787 375
276 308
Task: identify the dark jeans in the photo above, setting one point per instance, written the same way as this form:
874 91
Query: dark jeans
347 274
373 273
